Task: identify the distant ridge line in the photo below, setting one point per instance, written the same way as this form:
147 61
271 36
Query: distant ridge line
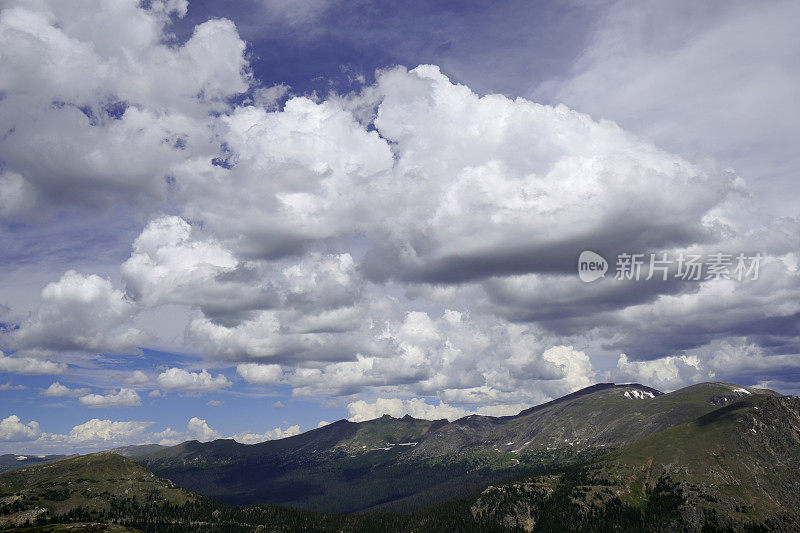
583 392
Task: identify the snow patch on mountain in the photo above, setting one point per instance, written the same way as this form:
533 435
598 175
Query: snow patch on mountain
634 394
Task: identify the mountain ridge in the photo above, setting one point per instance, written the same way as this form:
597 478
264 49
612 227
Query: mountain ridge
403 463
733 468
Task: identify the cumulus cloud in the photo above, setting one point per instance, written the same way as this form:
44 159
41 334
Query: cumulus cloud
183 380
416 407
56 389
732 359
122 398
274 335
323 281
416 240
260 374
29 365
137 377
168 437
314 154
462 359
80 312
199 429
506 168
173 264
420 408
169 266
96 430
667 373
196 429
465 209
12 429
272 434
510 164
98 110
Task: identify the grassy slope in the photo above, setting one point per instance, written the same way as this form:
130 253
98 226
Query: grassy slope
9 461
747 453
733 467
86 481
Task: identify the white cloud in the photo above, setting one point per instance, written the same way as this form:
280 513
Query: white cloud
122 398
327 281
173 263
17 196
96 430
101 109
574 366
199 429
29 365
667 373
260 374
272 434
56 389
313 154
713 311
14 430
733 359
259 337
168 437
469 188
457 357
361 410
168 266
511 179
462 191
323 423
675 72
77 313
155 394
416 240
137 377
416 407
183 380
196 429
214 403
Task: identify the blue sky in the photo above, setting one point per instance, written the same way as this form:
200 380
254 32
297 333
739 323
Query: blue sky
405 191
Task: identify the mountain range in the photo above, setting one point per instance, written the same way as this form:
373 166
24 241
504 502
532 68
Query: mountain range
404 463
624 457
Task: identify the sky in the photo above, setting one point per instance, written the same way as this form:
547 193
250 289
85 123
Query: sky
249 219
